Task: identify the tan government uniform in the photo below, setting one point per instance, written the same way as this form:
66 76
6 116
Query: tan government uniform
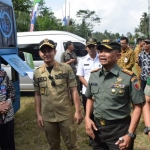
56 107
137 68
127 59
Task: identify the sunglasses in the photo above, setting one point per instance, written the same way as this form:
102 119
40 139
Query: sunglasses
52 79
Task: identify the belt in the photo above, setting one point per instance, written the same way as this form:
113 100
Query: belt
104 122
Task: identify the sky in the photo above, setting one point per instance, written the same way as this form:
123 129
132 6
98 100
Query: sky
120 16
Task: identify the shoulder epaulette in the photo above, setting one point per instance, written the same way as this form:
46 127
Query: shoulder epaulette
127 72
95 70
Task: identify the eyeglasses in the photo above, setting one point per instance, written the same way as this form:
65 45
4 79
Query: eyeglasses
52 79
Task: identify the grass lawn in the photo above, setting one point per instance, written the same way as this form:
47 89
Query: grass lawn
28 136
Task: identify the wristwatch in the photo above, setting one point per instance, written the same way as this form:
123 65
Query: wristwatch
132 135
146 130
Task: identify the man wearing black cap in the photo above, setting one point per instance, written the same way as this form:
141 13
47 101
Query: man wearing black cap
86 65
53 83
110 91
144 63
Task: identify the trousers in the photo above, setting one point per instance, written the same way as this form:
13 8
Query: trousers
7 136
107 136
67 129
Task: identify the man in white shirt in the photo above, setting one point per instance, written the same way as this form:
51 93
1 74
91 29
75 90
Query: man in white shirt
86 65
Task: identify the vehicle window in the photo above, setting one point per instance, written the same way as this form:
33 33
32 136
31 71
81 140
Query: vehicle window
7 34
79 48
30 48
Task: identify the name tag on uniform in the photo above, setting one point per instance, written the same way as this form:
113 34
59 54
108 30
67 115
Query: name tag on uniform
94 84
86 64
41 79
61 76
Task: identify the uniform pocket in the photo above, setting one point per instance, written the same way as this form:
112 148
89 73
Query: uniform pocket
116 91
61 84
94 89
42 84
43 88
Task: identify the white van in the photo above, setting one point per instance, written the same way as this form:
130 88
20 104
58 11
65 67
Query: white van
29 42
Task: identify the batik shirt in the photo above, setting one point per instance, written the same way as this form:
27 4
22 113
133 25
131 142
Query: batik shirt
7 93
144 63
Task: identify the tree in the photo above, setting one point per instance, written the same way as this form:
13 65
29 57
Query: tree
22 9
22 6
144 24
143 28
88 19
45 19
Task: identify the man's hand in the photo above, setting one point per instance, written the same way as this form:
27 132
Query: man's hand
4 107
124 143
40 121
78 117
89 126
72 60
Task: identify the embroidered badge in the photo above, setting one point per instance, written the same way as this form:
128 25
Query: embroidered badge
71 74
41 79
119 80
136 83
42 90
94 84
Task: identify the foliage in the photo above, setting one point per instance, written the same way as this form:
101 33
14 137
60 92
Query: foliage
22 5
143 28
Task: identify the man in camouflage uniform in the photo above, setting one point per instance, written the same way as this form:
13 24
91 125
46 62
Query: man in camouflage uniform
53 83
110 91
127 59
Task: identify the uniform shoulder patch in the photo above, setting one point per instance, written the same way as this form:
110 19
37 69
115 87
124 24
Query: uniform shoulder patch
127 72
136 83
95 70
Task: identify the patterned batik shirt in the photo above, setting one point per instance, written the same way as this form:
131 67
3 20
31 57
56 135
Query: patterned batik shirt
7 93
144 63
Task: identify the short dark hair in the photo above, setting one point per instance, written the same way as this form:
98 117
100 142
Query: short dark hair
125 38
139 40
68 43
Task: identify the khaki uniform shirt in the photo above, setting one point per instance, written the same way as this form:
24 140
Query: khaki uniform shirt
112 93
56 101
127 59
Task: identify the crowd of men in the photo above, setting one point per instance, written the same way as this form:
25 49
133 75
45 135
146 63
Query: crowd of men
112 75
109 86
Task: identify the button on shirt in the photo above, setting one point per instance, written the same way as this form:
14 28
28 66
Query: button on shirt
144 63
85 66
